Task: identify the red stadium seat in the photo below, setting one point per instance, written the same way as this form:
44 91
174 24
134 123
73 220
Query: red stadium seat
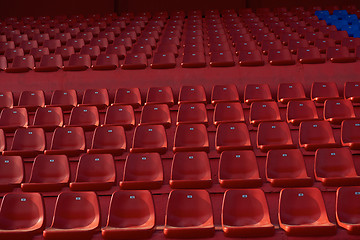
86 36
124 41
321 91
50 63
228 113
149 138
231 174
160 95
302 212
279 57
352 91
135 61
66 99
63 37
108 139
38 53
339 55
102 43
347 209
350 133
335 167
3 63
92 51
199 176
22 215
191 137
86 117
250 58
221 59
338 36
4 46
163 61
31 100
122 223
96 97
189 214
192 113
295 44
142 171
95 172
6 99
120 115
48 173
232 136
41 38
192 94
76 215
316 134
106 62
119 50
28 45
78 62
77 44
155 114
274 135
240 214
224 93
324 44
10 54
337 110
264 112
128 96
67 140
286 168
21 64
290 92
299 111
52 44
139 48
11 170
27 142
13 118
193 60
310 55
257 92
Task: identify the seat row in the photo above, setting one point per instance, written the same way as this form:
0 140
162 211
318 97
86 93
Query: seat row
96 171
189 214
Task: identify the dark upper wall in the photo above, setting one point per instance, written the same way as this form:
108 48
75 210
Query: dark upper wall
20 8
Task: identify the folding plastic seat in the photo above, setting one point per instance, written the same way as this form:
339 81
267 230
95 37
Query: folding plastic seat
13 118
67 140
268 45
335 111
192 113
135 61
193 60
310 55
78 62
92 51
28 45
146 49
192 94
221 46
295 44
6 99
86 36
102 43
160 95
106 62
338 36
290 92
77 44
50 63
351 43
125 41
245 46
286 37
142 171
224 93
129 34
10 54
48 173
189 215
119 23
264 112
191 137
250 58
347 209
120 115
265 37
321 91
163 61
27 142
118 50
86 117
22 215
63 37
110 33
122 223
149 138
38 53
128 96
31 32
339 55
302 212
349 133
82 25
221 59
18 38
31 100
257 92
286 168
245 213
108 139
155 114
52 44
324 44
11 169
299 111
352 91
278 57
76 215
316 134
274 135
21 64
167 48
66 99
232 136
4 46
311 37
94 30
96 97
228 113
198 177
335 167
73 31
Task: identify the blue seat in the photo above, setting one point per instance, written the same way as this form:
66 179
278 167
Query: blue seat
322 14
